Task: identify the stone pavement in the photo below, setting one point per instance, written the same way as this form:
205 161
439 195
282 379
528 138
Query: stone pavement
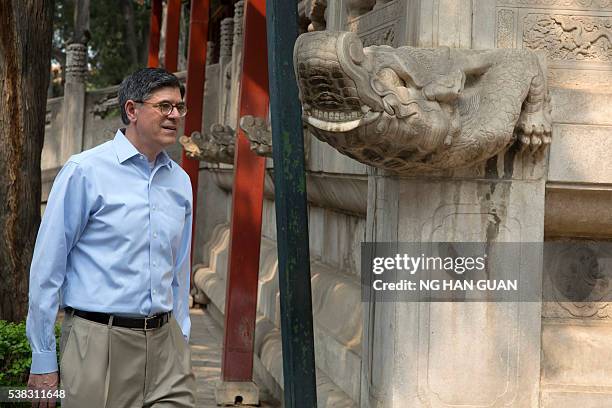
206 347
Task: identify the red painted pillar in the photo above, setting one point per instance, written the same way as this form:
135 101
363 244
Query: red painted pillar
173 24
194 98
247 201
154 33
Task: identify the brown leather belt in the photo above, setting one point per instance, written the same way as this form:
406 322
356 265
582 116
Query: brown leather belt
144 323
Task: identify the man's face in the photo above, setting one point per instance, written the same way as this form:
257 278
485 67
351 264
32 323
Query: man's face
156 129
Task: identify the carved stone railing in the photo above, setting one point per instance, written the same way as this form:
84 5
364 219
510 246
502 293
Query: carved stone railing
356 8
411 110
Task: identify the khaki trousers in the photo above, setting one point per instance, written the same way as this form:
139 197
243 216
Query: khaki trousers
116 367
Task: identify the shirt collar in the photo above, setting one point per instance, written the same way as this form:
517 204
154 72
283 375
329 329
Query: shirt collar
125 150
164 159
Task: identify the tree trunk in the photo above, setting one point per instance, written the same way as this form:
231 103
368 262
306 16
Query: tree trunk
130 32
25 51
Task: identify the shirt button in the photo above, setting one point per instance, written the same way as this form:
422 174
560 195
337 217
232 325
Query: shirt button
141 157
154 291
154 263
155 235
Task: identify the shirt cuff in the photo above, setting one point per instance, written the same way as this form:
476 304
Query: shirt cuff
44 362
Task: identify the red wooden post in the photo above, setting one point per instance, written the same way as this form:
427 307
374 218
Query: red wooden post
173 24
194 98
154 33
247 202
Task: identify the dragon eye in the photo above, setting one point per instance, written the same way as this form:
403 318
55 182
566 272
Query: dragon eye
356 51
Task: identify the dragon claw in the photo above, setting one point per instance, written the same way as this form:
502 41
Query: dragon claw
534 130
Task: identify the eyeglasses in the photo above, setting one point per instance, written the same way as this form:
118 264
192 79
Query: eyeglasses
166 108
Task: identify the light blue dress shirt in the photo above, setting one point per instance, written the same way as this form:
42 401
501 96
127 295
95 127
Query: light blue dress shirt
115 238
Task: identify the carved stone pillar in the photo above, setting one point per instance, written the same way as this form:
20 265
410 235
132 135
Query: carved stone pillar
227 37
457 140
225 70
212 105
236 67
74 87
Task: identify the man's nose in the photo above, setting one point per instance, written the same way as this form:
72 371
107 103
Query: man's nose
174 114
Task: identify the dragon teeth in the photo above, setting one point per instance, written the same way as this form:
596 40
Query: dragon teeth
334 116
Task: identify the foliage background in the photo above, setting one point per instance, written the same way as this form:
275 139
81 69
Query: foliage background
15 353
119 32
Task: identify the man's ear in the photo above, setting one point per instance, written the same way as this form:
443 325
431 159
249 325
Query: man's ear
130 110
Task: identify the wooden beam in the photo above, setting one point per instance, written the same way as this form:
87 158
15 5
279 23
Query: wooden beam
194 98
173 25
154 33
247 202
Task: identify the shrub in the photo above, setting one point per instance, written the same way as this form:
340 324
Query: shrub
15 353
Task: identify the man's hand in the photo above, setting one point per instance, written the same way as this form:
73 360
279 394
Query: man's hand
44 382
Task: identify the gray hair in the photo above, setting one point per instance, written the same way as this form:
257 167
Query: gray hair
139 86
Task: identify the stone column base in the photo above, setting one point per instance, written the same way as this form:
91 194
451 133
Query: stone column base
236 393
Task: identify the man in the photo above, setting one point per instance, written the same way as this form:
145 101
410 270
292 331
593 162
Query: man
113 250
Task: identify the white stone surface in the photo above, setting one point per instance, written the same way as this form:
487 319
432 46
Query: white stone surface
581 154
572 106
455 354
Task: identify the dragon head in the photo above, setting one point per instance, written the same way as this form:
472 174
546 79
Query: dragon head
351 96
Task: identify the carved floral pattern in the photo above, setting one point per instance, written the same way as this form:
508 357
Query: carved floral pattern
505 28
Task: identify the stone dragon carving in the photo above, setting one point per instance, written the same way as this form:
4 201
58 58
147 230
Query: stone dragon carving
259 134
216 146
312 14
412 110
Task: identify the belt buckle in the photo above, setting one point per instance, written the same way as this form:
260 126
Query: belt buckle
146 321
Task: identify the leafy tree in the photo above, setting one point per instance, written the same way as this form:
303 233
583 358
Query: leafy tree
118 41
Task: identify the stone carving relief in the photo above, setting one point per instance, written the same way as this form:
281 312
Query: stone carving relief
233 72
238 22
355 8
569 38
76 62
505 28
563 4
312 14
259 134
381 37
216 146
227 37
579 283
413 110
382 25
